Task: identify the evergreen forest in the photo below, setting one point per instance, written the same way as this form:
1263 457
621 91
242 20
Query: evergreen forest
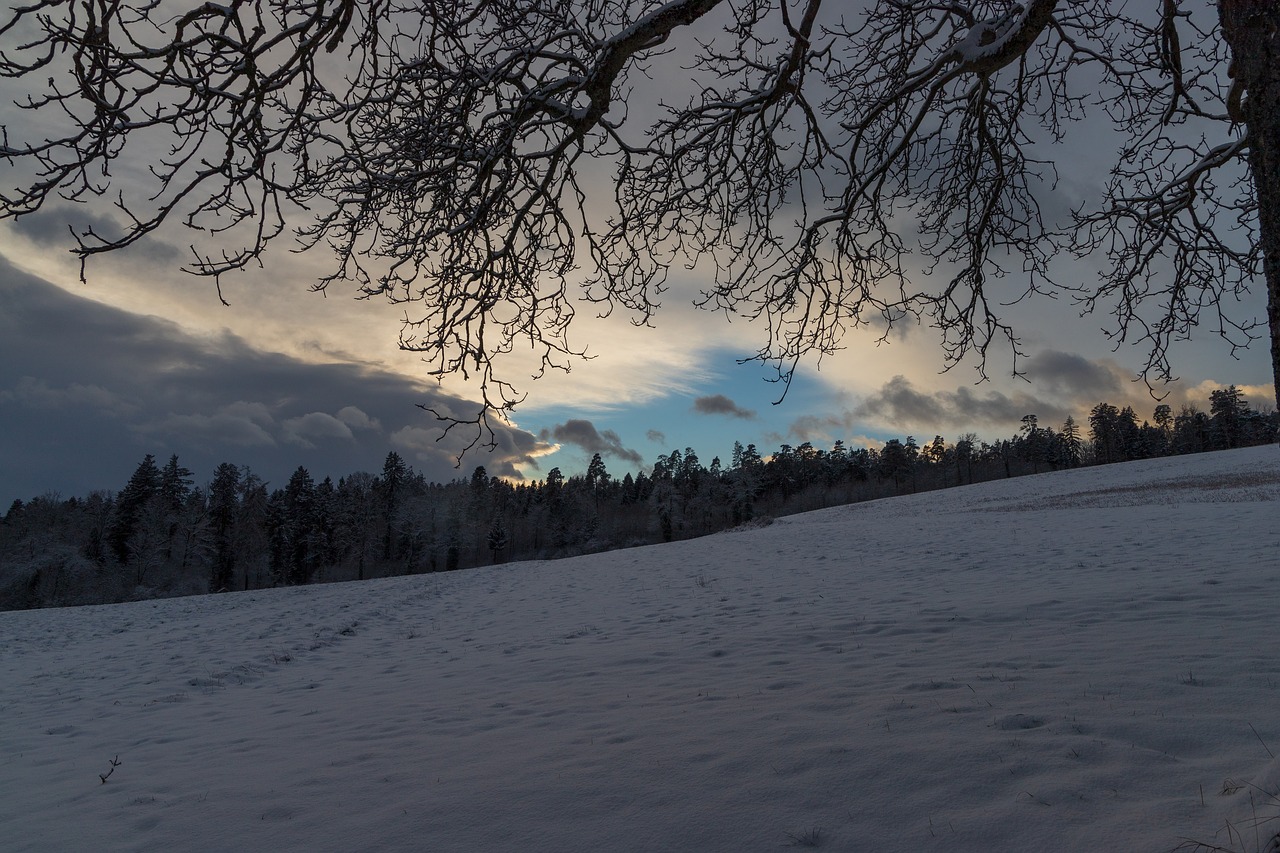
164 535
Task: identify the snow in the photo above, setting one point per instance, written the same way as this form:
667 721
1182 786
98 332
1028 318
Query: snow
1076 661
988 38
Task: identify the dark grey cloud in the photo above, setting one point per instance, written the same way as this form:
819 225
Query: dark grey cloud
56 227
226 427
657 436
37 394
358 420
719 404
583 433
1058 385
424 444
1002 411
1075 376
87 390
819 427
898 402
315 426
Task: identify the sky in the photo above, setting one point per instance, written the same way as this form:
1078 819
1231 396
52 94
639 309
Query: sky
144 358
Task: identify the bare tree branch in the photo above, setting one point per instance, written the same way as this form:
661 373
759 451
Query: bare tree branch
825 170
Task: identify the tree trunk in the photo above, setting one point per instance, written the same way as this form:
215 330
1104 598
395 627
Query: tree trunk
1252 29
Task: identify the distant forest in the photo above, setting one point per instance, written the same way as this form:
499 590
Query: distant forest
161 535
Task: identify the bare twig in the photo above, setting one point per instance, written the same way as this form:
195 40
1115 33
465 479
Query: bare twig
1261 741
824 171
115 762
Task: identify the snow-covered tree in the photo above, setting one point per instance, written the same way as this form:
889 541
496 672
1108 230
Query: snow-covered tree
496 539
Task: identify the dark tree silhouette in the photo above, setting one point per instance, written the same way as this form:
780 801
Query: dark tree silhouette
1227 410
394 473
54 552
1070 445
827 167
223 505
143 486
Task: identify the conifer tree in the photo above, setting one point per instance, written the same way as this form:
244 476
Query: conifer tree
175 488
1227 408
1071 446
175 484
394 475
142 487
1104 431
1032 446
223 506
597 478
895 463
496 540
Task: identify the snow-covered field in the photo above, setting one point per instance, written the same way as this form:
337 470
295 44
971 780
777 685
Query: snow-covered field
1082 661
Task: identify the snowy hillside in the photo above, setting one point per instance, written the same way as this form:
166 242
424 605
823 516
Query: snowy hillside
1082 661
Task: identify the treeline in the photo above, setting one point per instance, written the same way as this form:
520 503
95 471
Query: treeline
162 535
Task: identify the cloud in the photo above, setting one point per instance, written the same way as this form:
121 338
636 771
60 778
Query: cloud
719 404
55 227
656 436
1059 385
900 404
1001 410
432 448
1260 398
421 446
823 428
86 390
315 425
356 419
37 393
1075 376
221 428
583 434
256 413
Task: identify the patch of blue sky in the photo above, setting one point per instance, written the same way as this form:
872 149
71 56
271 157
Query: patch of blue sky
735 403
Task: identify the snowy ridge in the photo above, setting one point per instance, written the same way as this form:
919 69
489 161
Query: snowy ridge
1062 662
